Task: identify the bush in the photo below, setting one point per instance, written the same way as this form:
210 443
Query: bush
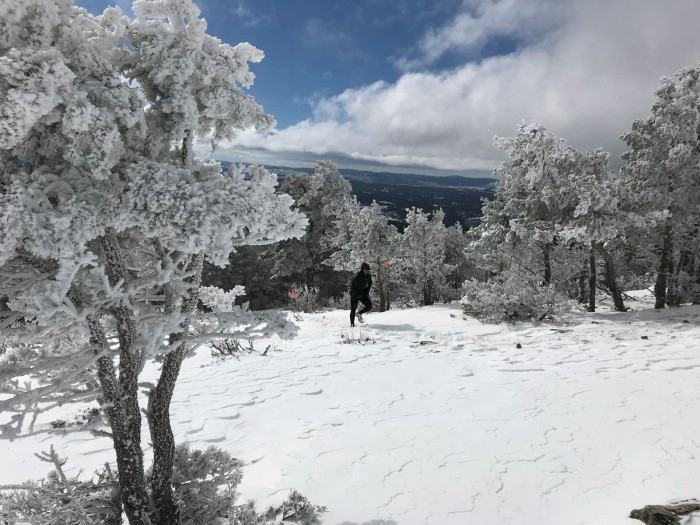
204 485
232 347
306 299
509 297
205 482
296 509
339 303
59 499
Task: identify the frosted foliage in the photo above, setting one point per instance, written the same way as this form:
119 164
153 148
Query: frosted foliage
660 189
191 80
423 253
535 186
203 209
511 296
660 178
547 192
219 299
364 234
39 16
305 299
33 83
204 484
593 197
103 207
59 499
323 197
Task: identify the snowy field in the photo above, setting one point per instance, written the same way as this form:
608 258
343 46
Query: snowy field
433 419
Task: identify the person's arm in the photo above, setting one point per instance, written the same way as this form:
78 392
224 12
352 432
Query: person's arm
369 283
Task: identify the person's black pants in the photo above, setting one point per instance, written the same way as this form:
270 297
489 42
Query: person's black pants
353 306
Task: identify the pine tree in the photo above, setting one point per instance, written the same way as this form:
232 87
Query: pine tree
365 235
550 200
660 189
322 197
423 249
592 219
106 216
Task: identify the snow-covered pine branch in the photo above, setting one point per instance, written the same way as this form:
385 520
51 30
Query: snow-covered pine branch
322 197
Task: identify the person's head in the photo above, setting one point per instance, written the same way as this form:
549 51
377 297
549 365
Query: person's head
364 268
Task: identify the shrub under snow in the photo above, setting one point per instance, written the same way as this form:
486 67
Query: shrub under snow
204 483
509 296
306 299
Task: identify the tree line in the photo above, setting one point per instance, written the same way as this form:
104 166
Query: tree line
423 263
562 225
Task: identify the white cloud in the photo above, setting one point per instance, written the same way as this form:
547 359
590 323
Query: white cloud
585 76
239 9
479 21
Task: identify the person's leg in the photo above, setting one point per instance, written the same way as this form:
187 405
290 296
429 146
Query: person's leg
367 305
353 307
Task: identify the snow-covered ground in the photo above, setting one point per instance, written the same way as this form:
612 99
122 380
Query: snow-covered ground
420 416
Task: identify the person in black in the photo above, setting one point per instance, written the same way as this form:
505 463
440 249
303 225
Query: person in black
359 292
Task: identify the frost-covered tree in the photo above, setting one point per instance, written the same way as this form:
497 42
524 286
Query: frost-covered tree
322 197
550 200
456 255
423 254
365 235
660 186
106 216
527 204
592 219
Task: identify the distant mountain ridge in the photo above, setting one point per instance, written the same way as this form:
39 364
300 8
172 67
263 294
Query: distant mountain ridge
459 197
400 179
393 179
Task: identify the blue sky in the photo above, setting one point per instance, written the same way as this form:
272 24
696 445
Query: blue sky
412 85
317 48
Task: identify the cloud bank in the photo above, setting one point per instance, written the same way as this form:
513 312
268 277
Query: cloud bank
583 68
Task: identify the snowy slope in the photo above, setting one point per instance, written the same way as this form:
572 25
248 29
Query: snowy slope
435 419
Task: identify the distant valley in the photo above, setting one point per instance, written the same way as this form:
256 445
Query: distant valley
459 197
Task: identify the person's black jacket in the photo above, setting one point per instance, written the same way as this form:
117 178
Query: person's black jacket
360 286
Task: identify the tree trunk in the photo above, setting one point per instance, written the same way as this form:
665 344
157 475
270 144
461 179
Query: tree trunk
690 262
186 153
582 278
160 397
592 281
428 298
686 264
309 277
162 437
610 278
547 264
662 274
380 286
673 296
159 407
386 286
121 399
695 279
